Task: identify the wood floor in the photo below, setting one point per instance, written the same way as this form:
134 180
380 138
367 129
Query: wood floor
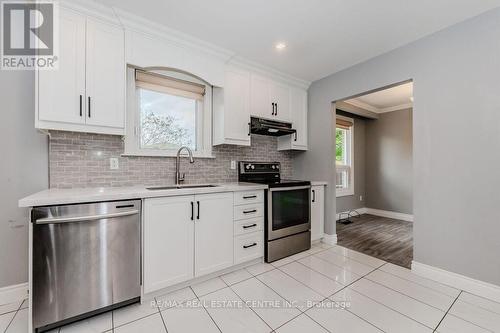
384 238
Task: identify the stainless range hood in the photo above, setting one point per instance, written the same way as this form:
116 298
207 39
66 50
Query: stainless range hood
270 127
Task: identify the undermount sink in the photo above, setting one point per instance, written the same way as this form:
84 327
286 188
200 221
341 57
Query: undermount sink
178 187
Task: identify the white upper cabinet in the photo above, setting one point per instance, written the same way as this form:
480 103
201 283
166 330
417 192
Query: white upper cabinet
232 109
87 92
61 92
280 95
106 75
298 110
269 99
260 97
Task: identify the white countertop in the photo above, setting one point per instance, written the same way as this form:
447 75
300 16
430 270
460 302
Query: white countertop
80 195
318 182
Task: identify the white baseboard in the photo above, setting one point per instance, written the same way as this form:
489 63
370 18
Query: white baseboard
473 286
380 212
13 293
329 239
361 211
389 214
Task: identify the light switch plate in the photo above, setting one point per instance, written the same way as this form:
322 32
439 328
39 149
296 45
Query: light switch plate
233 165
113 163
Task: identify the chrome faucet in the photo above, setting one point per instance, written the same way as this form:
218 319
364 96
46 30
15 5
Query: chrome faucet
178 177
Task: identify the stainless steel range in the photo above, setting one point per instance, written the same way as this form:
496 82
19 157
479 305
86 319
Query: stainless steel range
287 209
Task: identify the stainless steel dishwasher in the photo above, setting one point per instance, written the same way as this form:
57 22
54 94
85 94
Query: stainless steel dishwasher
86 260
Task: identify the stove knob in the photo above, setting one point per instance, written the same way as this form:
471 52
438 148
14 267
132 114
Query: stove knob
277 167
253 167
273 167
247 167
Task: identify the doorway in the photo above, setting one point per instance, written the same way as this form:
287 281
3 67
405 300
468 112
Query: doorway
374 173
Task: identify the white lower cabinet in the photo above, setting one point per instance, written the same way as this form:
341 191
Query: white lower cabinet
213 245
168 238
248 247
317 212
190 236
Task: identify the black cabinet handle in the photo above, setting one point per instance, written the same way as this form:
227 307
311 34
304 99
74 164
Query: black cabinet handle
295 136
276 112
81 105
89 100
249 128
250 197
250 211
272 113
249 226
314 196
247 246
198 215
192 211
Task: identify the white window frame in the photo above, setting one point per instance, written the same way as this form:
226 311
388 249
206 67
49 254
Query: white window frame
349 190
203 127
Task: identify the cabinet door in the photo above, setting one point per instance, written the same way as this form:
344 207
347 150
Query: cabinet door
299 118
213 232
168 241
280 95
298 110
317 212
260 99
105 75
237 106
61 91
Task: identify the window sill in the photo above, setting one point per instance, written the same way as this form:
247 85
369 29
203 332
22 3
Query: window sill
165 154
344 193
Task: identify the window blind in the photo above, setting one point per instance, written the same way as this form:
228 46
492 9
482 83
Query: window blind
343 123
169 85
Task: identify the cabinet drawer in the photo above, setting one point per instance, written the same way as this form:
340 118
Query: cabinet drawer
248 197
248 211
248 247
247 226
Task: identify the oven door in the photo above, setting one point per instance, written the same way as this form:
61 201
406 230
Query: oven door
289 211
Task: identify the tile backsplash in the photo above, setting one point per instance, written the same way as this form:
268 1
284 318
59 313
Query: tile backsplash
82 160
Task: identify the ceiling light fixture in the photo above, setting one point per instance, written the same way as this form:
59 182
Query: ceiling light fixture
280 46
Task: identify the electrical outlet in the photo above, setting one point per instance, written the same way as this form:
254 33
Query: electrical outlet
113 163
233 165
360 198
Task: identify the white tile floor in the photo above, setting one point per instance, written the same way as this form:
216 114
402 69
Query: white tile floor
324 289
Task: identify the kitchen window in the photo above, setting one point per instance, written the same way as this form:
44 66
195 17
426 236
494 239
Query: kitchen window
344 148
167 110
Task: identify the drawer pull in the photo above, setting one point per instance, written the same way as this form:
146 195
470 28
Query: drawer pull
249 226
251 245
250 211
250 197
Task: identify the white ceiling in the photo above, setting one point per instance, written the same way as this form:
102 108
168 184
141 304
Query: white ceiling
322 36
391 99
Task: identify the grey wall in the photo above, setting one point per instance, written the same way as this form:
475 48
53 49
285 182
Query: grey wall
389 162
349 202
456 199
82 160
24 170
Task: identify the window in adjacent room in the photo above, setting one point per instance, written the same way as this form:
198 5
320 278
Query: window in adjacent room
167 111
344 156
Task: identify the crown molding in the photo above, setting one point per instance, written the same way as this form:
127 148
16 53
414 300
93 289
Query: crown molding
374 109
138 24
397 108
269 71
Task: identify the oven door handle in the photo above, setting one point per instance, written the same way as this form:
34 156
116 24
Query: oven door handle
292 188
